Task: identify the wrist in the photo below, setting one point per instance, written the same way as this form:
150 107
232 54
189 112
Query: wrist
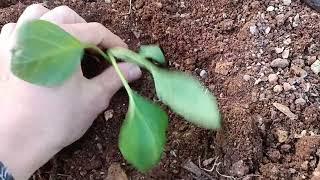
22 150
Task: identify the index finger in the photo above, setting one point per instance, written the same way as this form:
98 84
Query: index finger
94 33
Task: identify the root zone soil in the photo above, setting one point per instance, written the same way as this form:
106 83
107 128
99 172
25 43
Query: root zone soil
234 42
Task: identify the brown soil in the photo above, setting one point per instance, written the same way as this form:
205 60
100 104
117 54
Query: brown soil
234 42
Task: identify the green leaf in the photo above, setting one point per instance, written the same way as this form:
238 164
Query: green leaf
44 54
143 133
187 97
130 56
153 52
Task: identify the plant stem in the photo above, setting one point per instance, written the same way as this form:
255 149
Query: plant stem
120 74
112 60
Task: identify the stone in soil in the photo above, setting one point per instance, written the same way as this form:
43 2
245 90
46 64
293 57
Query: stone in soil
115 172
315 67
239 169
273 78
279 63
277 88
223 67
285 110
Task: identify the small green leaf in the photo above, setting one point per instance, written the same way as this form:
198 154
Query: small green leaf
153 52
45 54
187 97
143 133
130 56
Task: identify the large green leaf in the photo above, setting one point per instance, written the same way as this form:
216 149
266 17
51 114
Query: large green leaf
143 133
187 97
153 52
45 54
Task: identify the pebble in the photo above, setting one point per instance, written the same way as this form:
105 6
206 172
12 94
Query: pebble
108 114
203 74
296 20
253 29
285 110
282 135
272 78
279 50
270 8
274 155
267 30
277 88
286 2
287 86
107 1
279 63
300 101
304 165
299 71
285 54
280 19
246 77
315 67
115 172
286 147
287 41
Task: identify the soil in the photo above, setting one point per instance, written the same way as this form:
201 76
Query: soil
236 42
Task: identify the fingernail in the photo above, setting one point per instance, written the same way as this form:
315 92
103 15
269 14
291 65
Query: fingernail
134 72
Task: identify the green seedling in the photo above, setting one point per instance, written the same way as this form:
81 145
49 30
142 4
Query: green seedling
46 55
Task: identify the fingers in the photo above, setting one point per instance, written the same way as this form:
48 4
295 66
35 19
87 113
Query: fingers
94 33
32 12
62 15
104 86
7 30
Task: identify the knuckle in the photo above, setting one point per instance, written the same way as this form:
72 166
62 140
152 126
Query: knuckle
34 7
63 9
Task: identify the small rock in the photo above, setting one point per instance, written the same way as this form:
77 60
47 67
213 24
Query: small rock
272 78
280 19
292 171
304 165
287 86
286 148
267 30
300 101
299 71
279 50
279 63
246 77
277 88
301 135
315 67
203 74
282 135
115 172
239 169
99 146
296 20
259 80
107 1
286 2
223 67
311 60
108 114
270 8
285 110
274 155
285 54
253 29
287 41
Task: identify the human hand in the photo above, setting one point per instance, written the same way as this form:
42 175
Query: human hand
37 122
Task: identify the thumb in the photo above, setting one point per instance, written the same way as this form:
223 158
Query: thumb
104 86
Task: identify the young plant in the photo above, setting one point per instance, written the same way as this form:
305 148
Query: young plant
46 55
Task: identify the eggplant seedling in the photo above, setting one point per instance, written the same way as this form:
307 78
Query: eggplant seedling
46 55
